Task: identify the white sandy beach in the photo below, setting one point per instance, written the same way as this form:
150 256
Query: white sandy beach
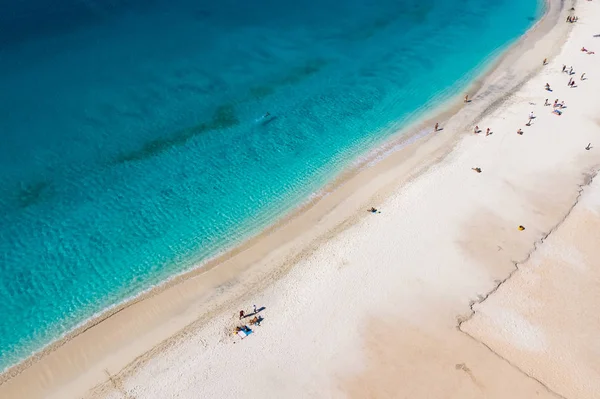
439 295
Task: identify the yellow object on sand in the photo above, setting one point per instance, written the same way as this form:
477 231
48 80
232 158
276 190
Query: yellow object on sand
521 228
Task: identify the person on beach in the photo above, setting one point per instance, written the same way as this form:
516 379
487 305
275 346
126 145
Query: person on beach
555 103
241 314
254 306
557 112
584 49
572 84
583 76
476 130
548 87
437 126
488 132
545 61
589 146
562 104
546 104
521 228
570 70
531 115
570 80
564 68
467 98
478 170
520 132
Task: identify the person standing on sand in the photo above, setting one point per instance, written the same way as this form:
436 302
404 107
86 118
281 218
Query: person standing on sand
582 76
467 98
476 130
255 311
545 61
571 71
487 132
436 128
564 68
570 80
241 314
546 103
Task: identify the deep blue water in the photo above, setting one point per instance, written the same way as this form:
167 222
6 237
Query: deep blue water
132 143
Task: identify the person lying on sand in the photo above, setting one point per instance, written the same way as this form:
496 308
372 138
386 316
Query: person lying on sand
557 112
478 170
520 132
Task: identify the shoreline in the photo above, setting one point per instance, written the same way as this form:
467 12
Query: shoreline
394 169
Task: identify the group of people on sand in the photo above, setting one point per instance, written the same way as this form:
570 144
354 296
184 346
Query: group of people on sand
557 109
244 330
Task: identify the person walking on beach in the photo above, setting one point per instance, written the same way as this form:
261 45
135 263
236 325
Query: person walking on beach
570 80
545 61
241 314
488 132
467 98
437 126
564 68
546 103
531 115
476 130
570 70
583 76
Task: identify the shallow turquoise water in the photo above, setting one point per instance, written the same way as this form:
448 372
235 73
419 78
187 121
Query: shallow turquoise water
133 143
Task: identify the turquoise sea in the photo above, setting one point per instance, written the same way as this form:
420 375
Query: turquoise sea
133 142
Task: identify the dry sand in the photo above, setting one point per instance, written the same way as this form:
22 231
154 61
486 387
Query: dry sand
379 305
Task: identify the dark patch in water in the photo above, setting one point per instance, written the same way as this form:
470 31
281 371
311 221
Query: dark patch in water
300 73
531 18
223 118
259 92
31 194
295 75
